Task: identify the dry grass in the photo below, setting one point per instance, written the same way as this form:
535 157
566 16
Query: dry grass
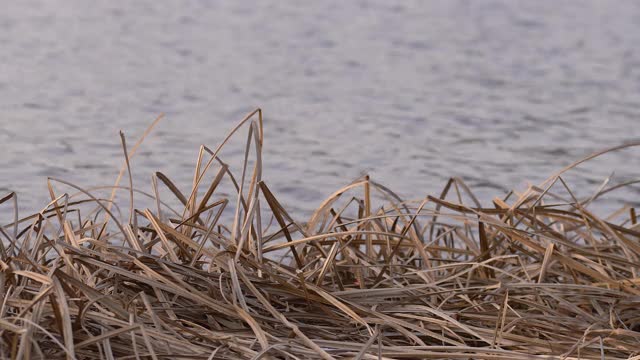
535 276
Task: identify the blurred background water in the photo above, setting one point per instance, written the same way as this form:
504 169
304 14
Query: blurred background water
500 93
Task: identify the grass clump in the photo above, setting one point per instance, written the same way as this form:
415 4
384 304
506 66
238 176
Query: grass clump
534 276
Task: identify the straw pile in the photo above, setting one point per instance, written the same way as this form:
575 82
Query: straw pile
534 276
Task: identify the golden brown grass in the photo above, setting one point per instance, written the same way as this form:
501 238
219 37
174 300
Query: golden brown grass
534 276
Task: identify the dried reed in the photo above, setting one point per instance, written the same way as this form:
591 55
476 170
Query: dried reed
535 276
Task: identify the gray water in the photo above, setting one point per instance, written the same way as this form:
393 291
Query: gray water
500 93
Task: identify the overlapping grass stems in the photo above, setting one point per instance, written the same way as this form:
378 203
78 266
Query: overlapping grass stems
534 276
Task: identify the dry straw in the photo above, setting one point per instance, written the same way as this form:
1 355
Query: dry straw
534 276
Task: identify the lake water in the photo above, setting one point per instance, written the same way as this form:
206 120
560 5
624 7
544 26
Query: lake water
500 93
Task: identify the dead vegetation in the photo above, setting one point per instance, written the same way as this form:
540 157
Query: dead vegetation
534 276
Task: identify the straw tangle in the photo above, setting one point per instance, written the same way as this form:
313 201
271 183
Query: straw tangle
535 275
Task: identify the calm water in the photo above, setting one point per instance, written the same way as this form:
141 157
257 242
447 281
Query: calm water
500 93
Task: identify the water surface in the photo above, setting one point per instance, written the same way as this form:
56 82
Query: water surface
500 93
